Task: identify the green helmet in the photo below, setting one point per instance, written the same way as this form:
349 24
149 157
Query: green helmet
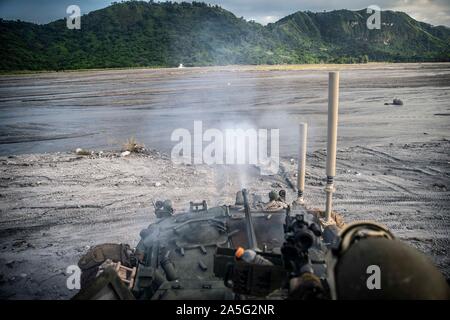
273 195
369 263
168 206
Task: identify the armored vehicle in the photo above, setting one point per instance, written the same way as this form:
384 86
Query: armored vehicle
185 256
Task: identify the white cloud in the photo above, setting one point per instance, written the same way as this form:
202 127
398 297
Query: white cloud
434 12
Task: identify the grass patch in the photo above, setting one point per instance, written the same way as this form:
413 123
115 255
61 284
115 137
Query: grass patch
132 145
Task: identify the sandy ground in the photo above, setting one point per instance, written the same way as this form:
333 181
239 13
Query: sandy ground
55 206
393 162
61 111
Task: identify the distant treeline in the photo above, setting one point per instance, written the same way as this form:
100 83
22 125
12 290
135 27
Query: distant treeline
147 34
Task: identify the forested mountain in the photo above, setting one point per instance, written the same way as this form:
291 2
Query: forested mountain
137 33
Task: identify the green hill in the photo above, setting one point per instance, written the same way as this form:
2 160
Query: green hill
136 33
345 36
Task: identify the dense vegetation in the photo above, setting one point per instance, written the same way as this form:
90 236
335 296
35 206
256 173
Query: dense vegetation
137 33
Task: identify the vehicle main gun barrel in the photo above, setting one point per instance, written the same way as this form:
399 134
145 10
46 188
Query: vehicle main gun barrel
251 236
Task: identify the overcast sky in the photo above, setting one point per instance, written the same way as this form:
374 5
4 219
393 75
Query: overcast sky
436 12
